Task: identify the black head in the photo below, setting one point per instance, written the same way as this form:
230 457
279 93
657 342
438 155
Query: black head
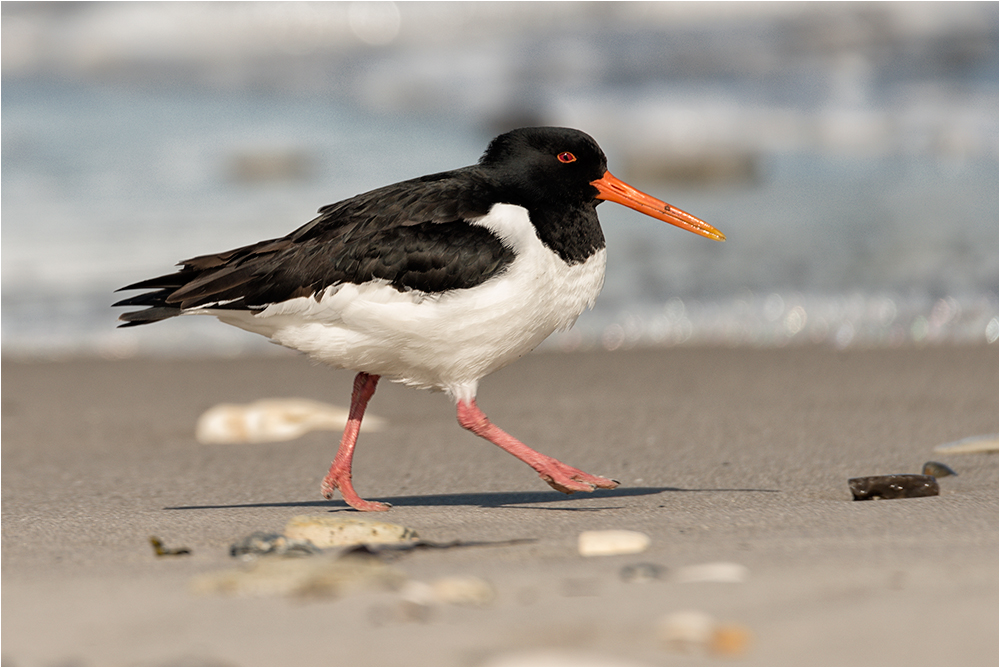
546 164
558 167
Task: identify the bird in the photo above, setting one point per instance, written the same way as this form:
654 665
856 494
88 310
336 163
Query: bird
433 282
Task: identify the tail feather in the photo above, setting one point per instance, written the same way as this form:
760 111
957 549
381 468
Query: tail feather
147 299
156 301
168 281
210 286
146 316
199 281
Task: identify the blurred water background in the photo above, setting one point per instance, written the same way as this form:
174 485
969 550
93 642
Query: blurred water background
848 151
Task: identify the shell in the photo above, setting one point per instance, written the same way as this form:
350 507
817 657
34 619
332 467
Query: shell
271 420
938 470
686 631
463 590
714 572
612 541
331 532
972 444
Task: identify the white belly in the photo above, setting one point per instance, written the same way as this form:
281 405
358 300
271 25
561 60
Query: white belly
445 341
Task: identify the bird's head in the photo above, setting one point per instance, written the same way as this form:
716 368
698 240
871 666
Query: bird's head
563 165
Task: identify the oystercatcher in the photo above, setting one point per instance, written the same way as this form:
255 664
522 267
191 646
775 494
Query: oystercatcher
433 282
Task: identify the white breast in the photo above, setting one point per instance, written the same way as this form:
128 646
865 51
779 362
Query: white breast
443 341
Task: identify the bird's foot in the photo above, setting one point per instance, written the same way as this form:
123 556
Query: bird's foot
336 479
567 479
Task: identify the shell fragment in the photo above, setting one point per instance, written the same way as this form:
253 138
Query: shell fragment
715 572
272 420
326 532
611 542
971 444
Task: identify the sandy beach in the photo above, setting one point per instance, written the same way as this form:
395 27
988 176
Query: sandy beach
724 455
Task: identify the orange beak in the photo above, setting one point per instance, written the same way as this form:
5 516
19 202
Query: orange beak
613 189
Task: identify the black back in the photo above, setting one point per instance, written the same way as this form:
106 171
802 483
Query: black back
413 235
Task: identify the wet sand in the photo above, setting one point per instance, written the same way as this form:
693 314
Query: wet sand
724 455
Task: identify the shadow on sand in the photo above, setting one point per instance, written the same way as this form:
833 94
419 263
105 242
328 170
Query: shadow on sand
484 499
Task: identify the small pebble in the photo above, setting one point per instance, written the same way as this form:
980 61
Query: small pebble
715 572
463 590
692 631
641 572
730 640
332 532
901 486
261 543
611 542
938 470
686 631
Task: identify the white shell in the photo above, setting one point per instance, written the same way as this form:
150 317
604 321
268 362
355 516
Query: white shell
715 572
463 590
612 541
270 420
971 444
686 631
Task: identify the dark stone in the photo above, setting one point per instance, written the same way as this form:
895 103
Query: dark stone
261 543
902 486
643 572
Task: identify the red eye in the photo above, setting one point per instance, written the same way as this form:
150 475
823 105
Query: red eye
566 157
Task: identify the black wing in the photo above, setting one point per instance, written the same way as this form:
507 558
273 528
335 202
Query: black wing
414 235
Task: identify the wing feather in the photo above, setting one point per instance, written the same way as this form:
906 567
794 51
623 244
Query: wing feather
414 235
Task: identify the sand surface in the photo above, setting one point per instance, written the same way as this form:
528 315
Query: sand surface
724 456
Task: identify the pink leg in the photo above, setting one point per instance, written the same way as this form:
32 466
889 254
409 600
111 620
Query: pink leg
339 476
558 475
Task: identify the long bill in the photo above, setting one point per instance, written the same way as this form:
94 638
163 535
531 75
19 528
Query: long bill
613 189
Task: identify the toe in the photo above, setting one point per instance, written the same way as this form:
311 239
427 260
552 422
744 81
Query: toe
370 506
568 485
